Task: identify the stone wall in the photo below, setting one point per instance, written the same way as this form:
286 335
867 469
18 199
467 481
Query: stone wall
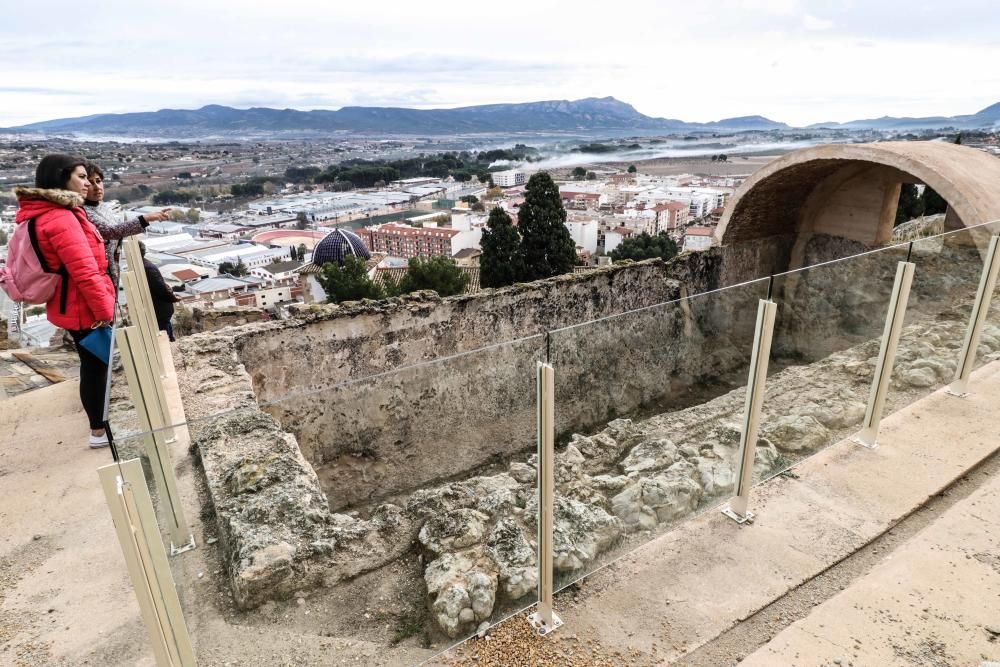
389 396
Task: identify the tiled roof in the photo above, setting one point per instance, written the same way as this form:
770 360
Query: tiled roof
396 273
186 274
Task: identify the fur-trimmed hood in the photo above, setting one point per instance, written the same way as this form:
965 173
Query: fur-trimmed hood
64 198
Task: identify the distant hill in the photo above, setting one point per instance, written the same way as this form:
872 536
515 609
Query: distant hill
748 123
988 117
588 114
554 115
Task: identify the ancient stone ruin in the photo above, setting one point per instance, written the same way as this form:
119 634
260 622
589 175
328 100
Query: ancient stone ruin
352 436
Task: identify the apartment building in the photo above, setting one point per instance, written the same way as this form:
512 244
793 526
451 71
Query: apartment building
509 178
405 241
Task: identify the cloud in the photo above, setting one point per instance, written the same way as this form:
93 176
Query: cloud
810 22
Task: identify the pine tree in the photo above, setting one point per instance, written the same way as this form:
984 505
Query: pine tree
645 246
933 202
348 282
546 246
440 274
499 264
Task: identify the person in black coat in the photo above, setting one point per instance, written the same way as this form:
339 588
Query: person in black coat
163 297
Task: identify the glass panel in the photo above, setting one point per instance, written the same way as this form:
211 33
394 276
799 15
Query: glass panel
641 444
391 512
945 283
948 267
989 348
827 332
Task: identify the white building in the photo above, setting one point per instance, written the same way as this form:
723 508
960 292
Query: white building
697 238
584 234
250 254
276 271
509 178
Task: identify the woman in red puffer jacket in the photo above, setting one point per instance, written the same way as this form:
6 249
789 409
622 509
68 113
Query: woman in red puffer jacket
86 298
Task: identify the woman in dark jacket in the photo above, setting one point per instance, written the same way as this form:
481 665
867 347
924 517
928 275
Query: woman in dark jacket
163 297
85 298
113 228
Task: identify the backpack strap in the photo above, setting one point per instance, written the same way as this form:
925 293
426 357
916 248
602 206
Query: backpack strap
64 283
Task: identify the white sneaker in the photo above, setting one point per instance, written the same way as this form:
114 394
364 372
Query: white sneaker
98 441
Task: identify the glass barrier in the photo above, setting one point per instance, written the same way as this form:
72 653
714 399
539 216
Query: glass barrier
827 332
945 283
394 513
391 512
642 442
989 349
947 273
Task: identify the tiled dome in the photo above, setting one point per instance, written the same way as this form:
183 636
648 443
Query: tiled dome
337 245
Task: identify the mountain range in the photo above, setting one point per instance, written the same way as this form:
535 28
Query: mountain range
588 114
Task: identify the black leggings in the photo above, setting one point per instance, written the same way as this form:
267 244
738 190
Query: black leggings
93 382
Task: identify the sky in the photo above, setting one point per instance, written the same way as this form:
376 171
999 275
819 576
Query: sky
797 61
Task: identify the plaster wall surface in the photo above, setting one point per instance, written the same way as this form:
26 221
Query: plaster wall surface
851 191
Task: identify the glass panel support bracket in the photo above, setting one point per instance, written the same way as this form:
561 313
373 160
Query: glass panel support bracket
135 525
967 357
545 621
868 435
763 334
141 383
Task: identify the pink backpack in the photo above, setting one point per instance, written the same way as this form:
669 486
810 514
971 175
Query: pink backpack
26 277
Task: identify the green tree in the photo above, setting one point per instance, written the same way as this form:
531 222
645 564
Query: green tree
193 215
645 246
234 269
440 274
301 220
348 281
932 201
546 246
910 204
631 169
579 173
591 176
469 199
302 252
500 263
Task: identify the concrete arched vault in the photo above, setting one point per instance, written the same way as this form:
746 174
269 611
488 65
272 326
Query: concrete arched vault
852 190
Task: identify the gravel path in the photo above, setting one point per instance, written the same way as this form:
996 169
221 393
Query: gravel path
515 644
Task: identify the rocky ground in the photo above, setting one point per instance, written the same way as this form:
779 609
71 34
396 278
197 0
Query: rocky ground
460 555
632 480
23 370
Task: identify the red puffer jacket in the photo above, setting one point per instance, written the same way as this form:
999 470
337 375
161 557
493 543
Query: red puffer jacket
67 238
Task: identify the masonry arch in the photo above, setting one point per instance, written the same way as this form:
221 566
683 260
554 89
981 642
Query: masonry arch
851 191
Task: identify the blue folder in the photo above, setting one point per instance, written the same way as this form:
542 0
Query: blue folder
98 343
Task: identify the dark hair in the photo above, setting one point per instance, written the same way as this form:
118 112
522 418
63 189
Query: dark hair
54 170
94 170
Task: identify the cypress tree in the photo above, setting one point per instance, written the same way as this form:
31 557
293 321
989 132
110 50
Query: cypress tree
499 264
546 246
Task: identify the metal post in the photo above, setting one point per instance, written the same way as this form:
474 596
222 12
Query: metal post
545 620
987 283
156 395
737 510
868 435
181 537
135 523
148 313
142 317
